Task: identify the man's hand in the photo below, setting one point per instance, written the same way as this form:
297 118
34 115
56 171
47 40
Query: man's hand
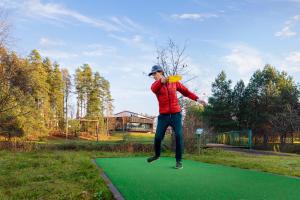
201 102
163 79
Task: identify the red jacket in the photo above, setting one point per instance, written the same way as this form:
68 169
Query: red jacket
167 97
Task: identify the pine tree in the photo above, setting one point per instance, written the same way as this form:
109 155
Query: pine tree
94 101
56 96
220 110
67 90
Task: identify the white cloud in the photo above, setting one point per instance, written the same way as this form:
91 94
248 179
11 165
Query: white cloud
58 13
194 16
50 42
293 57
125 23
136 41
291 63
57 54
243 60
286 31
98 50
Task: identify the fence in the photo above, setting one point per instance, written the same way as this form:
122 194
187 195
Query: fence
235 138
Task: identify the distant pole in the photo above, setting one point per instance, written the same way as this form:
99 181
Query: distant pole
123 123
107 118
198 143
67 127
67 121
97 131
250 138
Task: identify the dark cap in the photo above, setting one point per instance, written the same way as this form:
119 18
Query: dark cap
155 68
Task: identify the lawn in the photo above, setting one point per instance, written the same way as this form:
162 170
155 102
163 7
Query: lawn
69 174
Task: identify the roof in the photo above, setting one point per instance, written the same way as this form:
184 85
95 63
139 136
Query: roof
127 113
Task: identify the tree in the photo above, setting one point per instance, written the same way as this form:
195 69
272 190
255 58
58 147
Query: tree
57 96
269 93
79 90
107 103
238 103
94 102
10 126
172 59
40 88
286 122
67 90
87 82
83 82
220 111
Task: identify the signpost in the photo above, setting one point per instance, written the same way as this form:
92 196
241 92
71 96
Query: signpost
199 132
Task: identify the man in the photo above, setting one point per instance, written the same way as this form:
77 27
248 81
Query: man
169 111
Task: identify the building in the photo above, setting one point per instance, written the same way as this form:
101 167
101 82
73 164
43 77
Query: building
130 121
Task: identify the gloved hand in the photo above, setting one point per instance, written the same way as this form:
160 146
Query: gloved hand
201 102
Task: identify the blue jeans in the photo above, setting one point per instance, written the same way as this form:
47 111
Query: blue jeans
175 121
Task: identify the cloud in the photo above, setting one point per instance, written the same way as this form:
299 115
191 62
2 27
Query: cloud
50 42
98 50
286 31
291 63
125 23
58 13
136 41
243 60
57 54
293 57
194 16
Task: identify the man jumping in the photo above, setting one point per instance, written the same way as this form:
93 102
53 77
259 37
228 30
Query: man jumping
169 111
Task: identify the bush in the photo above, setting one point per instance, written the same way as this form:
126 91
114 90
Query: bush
77 146
10 127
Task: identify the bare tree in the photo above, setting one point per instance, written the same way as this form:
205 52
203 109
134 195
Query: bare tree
172 59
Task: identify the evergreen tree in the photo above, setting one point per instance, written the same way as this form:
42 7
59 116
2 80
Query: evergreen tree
220 111
56 97
94 101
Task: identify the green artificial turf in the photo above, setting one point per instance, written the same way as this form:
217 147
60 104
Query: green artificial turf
137 179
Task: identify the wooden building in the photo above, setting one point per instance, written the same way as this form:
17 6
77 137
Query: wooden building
130 121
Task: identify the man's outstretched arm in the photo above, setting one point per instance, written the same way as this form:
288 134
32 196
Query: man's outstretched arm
185 92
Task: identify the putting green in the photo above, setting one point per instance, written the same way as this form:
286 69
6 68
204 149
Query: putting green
137 179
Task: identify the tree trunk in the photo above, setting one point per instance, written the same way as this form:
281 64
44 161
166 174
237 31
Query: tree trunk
265 139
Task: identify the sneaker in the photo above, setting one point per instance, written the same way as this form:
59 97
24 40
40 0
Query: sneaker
178 165
151 159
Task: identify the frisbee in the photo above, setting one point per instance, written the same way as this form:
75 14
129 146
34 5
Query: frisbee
174 78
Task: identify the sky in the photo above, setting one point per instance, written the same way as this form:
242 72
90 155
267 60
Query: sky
119 39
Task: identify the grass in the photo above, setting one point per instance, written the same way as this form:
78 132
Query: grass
58 172
50 175
283 165
71 174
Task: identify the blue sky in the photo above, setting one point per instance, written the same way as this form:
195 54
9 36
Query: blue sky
119 39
